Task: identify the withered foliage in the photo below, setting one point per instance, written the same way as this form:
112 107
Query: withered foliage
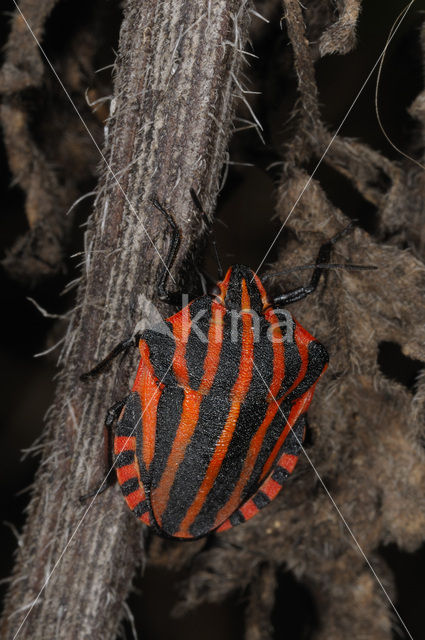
49 151
367 430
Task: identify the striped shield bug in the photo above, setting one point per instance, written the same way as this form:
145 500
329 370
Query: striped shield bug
215 421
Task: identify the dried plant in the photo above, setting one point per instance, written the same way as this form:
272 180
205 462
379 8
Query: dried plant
178 67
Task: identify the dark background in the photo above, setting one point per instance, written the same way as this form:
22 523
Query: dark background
27 382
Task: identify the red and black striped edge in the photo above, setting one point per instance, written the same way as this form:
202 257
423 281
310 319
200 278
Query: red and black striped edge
216 438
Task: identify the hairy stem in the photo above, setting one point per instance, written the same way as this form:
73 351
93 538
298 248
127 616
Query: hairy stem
167 132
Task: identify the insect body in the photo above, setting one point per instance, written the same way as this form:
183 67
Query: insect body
216 418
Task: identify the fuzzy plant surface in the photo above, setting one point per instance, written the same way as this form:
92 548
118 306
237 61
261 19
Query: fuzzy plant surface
168 119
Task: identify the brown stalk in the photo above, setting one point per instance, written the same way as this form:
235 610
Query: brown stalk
167 133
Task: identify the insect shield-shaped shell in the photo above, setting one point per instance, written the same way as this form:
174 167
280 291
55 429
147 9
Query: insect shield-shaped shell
216 419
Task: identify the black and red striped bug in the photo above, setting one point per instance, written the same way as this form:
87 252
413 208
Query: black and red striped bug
216 417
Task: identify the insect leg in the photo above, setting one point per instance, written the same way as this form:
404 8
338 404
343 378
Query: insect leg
121 347
323 257
164 294
164 270
111 415
200 208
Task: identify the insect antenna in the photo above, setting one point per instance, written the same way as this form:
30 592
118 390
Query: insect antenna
200 208
346 266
